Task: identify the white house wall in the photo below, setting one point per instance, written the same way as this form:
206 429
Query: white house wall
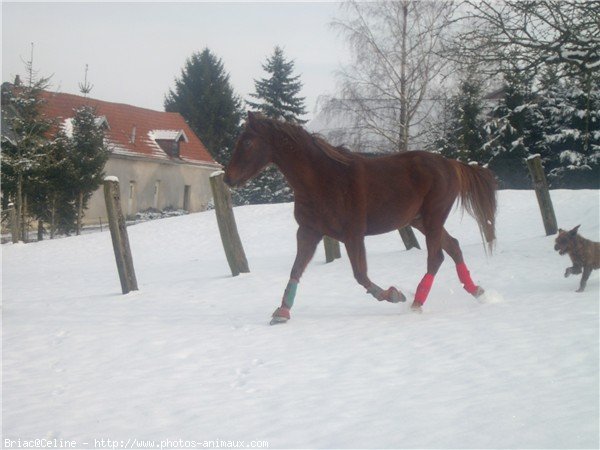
171 177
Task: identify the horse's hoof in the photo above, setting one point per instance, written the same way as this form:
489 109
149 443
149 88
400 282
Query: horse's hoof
281 315
278 320
478 292
393 295
416 307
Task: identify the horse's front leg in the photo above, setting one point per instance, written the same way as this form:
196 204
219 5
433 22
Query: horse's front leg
358 258
307 241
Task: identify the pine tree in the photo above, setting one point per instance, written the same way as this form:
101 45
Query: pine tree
570 108
277 99
204 97
465 134
52 200
25 143
277 95
60 176
513 131
88 157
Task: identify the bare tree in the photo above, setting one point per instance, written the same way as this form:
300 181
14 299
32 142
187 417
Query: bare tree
386 92
531 33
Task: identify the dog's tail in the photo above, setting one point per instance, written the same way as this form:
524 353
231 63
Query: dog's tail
478 197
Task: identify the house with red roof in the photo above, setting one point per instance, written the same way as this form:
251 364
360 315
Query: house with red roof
159 161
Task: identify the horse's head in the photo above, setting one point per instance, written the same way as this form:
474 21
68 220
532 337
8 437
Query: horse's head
252 153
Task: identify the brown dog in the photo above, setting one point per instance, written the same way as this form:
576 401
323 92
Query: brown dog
584 253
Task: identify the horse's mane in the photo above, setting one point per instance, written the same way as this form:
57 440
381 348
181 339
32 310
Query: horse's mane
302 138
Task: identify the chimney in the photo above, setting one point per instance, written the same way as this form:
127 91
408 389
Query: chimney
132 137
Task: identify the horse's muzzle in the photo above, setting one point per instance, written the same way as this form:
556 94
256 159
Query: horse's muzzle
227 180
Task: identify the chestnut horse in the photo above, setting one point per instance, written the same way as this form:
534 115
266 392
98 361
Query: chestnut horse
347 196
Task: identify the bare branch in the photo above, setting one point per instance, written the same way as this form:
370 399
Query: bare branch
396 47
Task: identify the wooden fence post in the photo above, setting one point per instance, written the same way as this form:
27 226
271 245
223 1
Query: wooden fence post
234 251
14 223
118 233
408 237
332 249
534 163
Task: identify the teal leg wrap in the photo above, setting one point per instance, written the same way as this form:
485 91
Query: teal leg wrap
290 294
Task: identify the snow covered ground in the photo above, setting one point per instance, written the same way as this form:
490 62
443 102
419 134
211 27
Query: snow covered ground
191 358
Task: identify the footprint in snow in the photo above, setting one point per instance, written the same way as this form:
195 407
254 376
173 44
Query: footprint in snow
60 337
490 297
243 373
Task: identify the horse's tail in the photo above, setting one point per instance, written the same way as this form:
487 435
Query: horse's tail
478 196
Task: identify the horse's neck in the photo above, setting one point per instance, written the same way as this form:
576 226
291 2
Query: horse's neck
301 167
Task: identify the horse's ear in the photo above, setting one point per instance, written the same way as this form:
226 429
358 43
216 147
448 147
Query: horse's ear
574 230
251 118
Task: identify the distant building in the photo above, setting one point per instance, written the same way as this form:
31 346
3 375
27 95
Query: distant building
158 159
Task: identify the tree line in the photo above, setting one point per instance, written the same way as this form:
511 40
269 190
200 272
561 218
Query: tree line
421 76
555 114
203 95
422 72
49 171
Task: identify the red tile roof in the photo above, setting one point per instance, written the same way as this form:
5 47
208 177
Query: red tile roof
122 119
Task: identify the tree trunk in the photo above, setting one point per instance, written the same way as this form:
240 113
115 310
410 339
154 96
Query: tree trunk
24 224
403 83
406 233
586 132
53 216
79 212
14 223
18 207
40 230
538 178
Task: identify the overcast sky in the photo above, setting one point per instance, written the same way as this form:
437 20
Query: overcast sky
135 50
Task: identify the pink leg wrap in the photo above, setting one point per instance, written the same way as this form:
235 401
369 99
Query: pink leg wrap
465 278
424 288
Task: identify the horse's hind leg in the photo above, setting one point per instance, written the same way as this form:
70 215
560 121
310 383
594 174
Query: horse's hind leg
435 257
358 258
307 241
452 247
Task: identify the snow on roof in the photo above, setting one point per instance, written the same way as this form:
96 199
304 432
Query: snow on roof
168 135
67 127
102 121
67 124
125 122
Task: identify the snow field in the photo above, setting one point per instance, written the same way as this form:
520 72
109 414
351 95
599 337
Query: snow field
191 355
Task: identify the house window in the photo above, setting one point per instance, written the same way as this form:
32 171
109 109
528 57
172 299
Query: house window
169 141
175 149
